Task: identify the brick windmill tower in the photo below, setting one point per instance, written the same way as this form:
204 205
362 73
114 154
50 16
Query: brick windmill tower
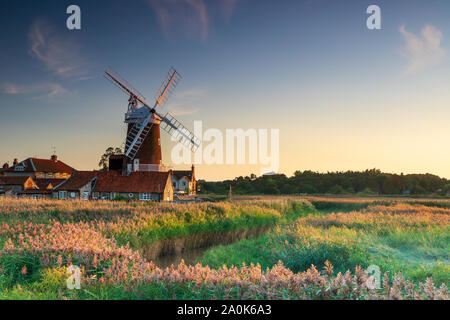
142 150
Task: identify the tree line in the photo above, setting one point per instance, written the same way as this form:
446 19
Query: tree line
368 182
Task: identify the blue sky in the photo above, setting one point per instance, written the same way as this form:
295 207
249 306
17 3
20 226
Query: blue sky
344 97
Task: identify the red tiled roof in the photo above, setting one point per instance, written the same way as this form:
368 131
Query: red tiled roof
78 180
13 181
112 181
42 165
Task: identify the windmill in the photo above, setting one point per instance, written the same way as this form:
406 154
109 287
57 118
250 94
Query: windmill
142 146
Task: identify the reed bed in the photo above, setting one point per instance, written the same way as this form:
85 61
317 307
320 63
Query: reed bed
110 271
414 240
39 240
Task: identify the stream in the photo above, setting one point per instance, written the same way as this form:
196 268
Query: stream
191 248
189 256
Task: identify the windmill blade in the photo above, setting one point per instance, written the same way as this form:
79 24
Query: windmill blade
167 87
136 136
178 131
124 85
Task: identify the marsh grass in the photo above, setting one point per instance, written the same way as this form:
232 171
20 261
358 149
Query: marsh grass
412 239
40 239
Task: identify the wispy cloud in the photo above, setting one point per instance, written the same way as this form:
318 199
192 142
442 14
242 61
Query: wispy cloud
183 103
190 17
422 50
182 112
227 7
39 91
59 55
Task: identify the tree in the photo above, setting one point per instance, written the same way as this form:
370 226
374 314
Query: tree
306 188
337 189
368 182
104 160
367 192
270 187
446 189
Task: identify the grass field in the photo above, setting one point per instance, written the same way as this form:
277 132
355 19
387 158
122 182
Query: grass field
314 248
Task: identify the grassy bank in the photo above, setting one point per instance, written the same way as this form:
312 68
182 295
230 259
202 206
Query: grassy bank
140 224
411 239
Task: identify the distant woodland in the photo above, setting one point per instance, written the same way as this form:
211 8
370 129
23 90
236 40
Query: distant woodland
369 182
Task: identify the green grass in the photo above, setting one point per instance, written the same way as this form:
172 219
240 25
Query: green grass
418 252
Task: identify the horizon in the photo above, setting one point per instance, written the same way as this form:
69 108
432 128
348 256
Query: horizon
268 174
344 98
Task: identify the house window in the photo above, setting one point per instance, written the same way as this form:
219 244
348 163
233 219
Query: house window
63 194
131 195
113 195
105 196
73 195
155 196
144 196
85 195
55 195
95 195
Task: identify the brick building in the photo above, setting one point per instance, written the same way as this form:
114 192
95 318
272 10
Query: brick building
110 185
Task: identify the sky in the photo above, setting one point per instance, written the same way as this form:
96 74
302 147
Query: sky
343 97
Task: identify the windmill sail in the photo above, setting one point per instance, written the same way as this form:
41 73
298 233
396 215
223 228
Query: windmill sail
135 96
179 132
167 87
141 120
136 137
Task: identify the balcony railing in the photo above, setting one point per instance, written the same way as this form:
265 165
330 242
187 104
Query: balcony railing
154 167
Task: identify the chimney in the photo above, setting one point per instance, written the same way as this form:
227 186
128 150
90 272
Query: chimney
16 161
54 158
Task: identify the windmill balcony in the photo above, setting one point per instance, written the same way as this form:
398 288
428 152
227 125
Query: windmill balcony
154 167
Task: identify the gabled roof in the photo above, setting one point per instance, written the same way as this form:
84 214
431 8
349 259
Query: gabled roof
41 165
136 182
78 180
13 181
44 184
182 173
